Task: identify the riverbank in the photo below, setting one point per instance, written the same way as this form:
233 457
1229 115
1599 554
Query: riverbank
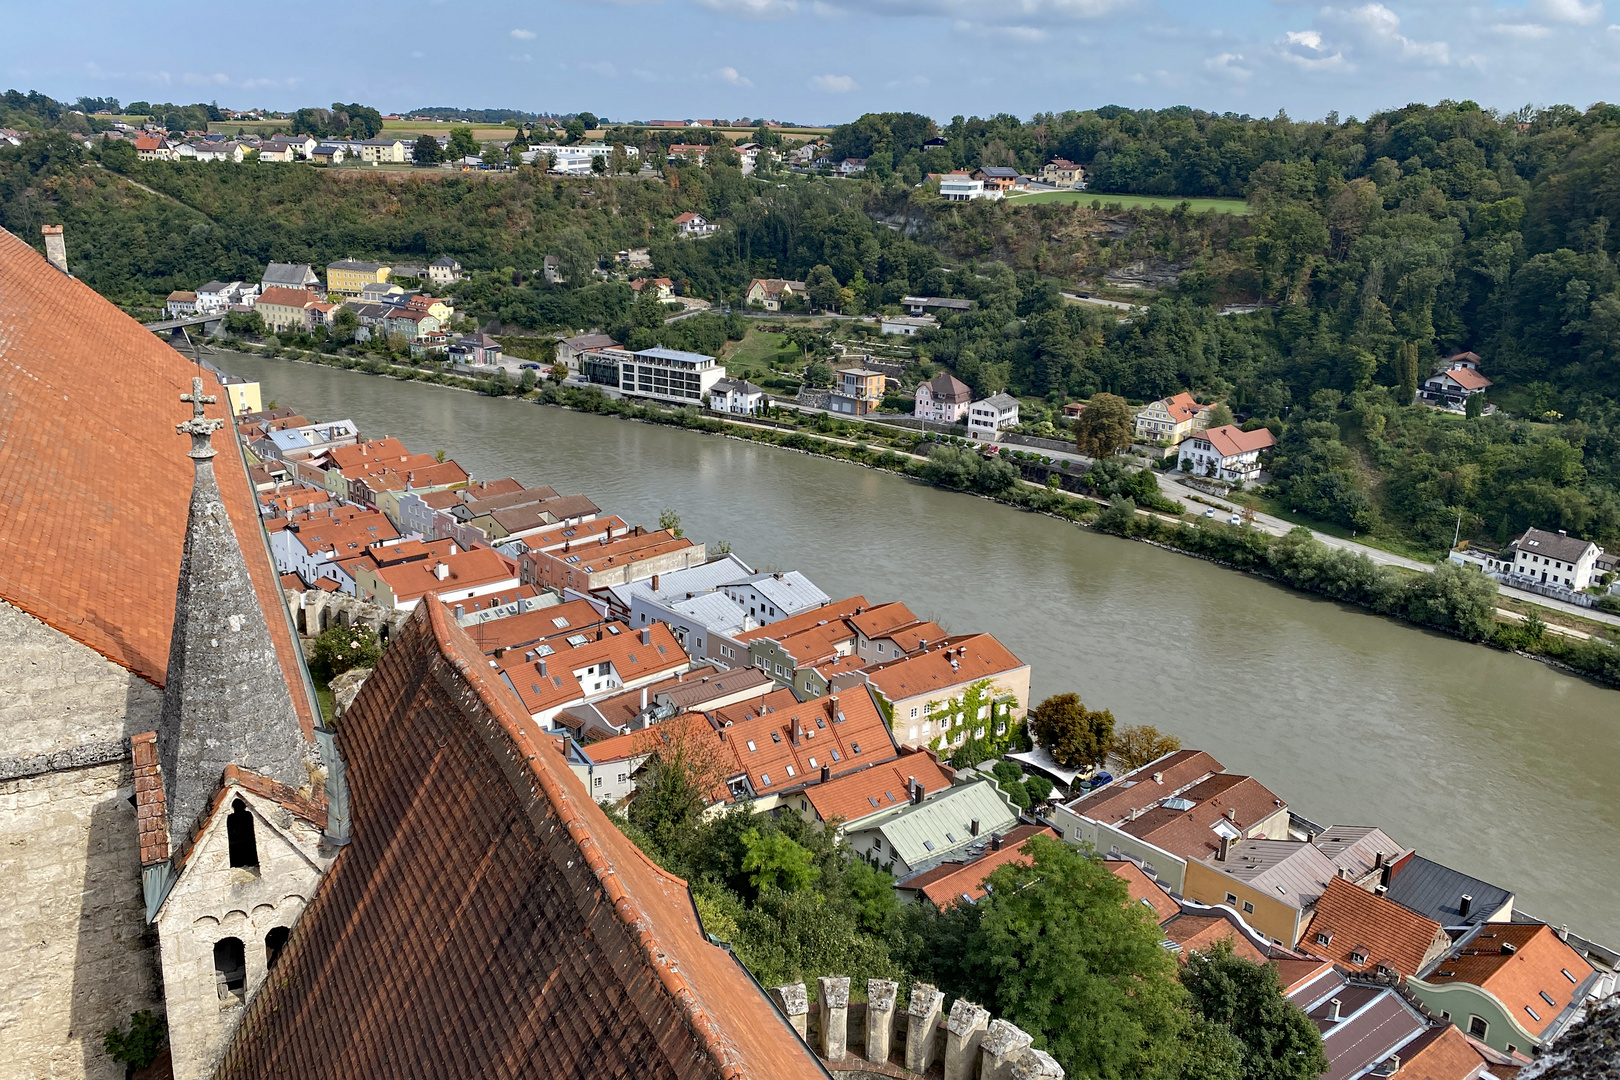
1447 599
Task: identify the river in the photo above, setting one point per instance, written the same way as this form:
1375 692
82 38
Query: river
1497 765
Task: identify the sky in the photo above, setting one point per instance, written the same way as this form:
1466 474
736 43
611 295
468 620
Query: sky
822 61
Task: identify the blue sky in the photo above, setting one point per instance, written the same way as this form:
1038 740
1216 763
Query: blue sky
821 61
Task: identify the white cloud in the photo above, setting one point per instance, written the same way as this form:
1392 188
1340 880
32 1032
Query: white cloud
523 35
524 58
1022 35
1311 39
732 76
1305 48
1573 11
216 79
833 84
1382 27
1526 31
1227 65
600 67
753 9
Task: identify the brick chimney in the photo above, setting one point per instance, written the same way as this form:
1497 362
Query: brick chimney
55 246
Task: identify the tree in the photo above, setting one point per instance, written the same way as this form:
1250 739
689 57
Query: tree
463 143
774 861
345 323
670 521
873 892
1104 429
822 287
818 374
575 130
599 165
1474 406
250 323
427 151
590 120
1057 948
558 372
528 380
673 788
1139 744
1075 736
139 1046
1407 372
1279 1042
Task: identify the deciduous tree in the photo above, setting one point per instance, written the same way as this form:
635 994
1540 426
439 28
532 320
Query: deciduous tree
1075 736
1139 744
1279 1042
1104 429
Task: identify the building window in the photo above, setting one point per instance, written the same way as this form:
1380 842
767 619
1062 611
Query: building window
1248 908
1231 898
274 942
1548 998
1512 1049
239 833
1358 958
1477 1027
230 970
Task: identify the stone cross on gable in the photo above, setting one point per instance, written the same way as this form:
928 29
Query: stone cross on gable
200 428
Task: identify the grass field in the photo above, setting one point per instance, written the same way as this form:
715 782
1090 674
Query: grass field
1086 198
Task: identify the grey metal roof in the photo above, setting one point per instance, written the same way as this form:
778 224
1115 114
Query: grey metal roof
1435 892
924 832
714 611
1291 870
676 584
1000 402
789 590
1356 847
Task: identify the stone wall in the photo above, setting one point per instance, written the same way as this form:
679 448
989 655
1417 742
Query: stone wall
920 1038
76 955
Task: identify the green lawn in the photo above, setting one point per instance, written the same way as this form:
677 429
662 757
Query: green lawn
755 355
1086 198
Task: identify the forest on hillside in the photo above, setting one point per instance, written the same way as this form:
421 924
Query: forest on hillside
1375 247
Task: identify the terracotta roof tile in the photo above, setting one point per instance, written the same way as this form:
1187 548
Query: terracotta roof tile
1197 932
1441 1053
1518 962
88 399
1381 932
776 631
978 656
1144 888
873 790
487 919
952 882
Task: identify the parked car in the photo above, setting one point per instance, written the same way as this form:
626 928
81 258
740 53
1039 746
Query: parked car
1100 779
531 367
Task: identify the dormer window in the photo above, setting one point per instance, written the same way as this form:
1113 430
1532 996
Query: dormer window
1358 957
1324 939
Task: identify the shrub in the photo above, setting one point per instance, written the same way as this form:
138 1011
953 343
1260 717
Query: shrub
343 648
140 1046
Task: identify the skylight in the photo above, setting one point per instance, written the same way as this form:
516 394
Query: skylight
750 744
559 622
576 640
765 778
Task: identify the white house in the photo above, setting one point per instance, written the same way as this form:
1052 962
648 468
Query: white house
1451 388
1225 453
944 399
988 417
181 303
683 378
961 187
736 396
444 270
694 225
908 325
1556 560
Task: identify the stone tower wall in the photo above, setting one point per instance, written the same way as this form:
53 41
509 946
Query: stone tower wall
76 955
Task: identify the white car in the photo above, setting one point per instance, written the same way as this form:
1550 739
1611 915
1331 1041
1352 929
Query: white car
1210 512
1235 519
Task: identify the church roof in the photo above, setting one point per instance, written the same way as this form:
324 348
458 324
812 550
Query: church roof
89 399
487 919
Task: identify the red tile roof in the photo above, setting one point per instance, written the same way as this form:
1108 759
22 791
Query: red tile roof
89 399
870 791
1441 1053
1142 788
1467 378
1382 932
467 570
1144 888
1197 932
1230 440
523 631
1182 407
952 882
978 656
487 919
793 740
1517 978
1242 801
280 296
782 628
631 660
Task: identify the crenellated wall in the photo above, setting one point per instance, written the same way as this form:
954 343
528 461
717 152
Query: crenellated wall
878 1038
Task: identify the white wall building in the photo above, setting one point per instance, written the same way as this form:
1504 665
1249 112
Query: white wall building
1225 453
1555 560
684 378
960 187
988 417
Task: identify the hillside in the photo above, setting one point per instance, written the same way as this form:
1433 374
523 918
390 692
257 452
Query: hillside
1374 247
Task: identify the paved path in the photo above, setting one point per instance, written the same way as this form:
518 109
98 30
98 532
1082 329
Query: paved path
1119 304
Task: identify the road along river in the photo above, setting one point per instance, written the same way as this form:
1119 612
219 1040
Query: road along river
1497 765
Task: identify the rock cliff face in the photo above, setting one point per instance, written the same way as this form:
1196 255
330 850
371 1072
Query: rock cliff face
1589 1051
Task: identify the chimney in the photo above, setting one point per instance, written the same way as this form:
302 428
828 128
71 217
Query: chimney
644 697
55 247
528 657
1333 1011
542 669
826 773
995 842
1226 847
1464 906
441 571
1231 813
1158 778
1563 932
1378 860
973 827
655 583
461 610
1381 890
1561 532
1383 878
646 635
454 550
916 790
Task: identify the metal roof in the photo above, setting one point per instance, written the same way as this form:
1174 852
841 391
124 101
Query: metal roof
1293 871
790 590
924 832
1435 892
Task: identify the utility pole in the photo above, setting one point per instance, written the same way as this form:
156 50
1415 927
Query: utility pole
1457 536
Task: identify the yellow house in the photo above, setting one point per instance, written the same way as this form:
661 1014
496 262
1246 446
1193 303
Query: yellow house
243 395
1274 884
349 276
284 309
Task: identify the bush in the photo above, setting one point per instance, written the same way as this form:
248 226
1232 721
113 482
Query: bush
343 648
1039 788
139 1046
